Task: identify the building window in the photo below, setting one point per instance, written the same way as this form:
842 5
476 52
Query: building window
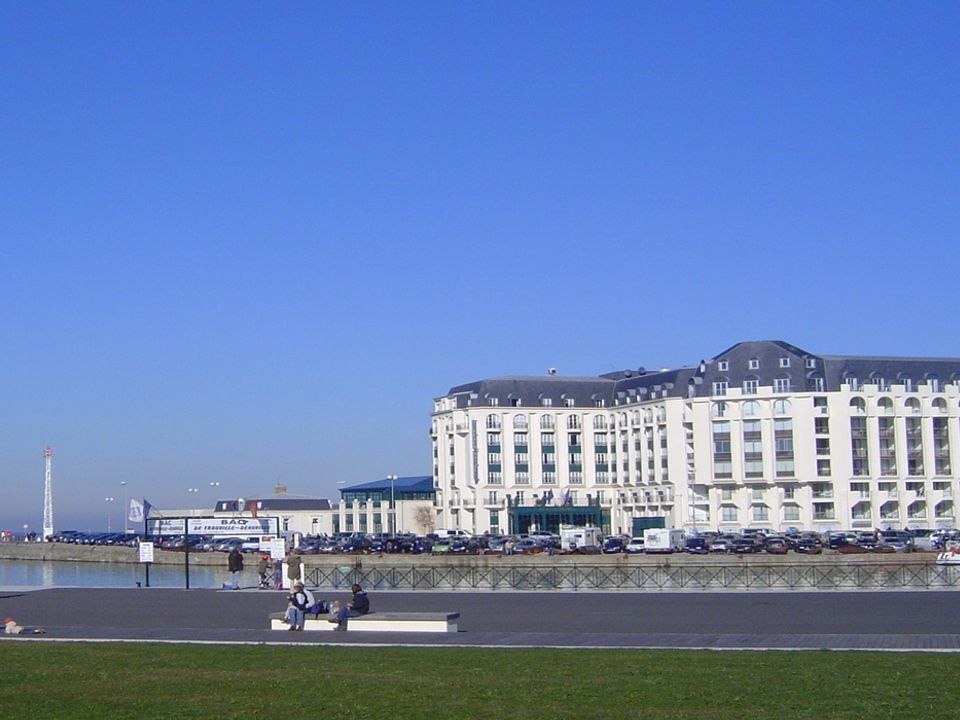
781 385
791 512
719 409
723 365
568 402
761 513
573 422
751 386
494 478
720 387
823 511
811 362
784 362
728 513
753 363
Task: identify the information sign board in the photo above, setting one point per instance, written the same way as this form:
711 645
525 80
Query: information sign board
146 552
218 527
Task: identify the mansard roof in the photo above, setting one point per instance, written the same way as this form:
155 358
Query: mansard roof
760 360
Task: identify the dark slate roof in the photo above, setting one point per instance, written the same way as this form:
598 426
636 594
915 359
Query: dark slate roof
625 386
415 483
531 388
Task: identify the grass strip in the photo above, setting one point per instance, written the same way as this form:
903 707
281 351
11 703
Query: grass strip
70 680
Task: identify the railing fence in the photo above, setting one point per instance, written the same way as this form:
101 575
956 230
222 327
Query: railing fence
685 577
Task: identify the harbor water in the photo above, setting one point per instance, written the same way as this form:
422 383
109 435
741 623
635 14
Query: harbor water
52 573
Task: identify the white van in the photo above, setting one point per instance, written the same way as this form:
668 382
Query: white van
443 533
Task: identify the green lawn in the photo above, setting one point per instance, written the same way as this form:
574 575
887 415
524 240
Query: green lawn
68 680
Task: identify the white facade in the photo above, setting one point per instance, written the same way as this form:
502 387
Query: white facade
862 455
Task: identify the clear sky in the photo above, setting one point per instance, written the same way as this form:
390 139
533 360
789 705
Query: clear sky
249 243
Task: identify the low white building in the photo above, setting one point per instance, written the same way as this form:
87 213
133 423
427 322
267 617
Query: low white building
763 435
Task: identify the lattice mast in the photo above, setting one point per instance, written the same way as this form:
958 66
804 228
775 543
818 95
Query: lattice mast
48 494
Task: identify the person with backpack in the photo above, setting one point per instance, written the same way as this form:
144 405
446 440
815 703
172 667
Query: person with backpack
298 602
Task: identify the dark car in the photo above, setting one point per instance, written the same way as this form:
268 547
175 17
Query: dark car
355 545
614 544
745 545
696 546
809 547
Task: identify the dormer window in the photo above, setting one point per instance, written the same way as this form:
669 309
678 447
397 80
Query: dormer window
784 362
723 365
753 363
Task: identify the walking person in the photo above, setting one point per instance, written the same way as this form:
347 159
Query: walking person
360 605
263 570
235 565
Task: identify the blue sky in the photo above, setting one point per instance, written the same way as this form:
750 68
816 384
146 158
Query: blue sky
249 243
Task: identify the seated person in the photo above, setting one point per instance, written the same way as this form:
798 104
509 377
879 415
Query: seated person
297 607
360 605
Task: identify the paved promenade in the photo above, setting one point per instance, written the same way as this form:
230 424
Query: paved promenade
924 620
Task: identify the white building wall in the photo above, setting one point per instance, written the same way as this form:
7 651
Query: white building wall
463 495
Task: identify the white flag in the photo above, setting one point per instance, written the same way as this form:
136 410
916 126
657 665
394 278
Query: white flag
136 511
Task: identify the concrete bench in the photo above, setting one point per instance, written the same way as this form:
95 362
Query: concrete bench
405 622
321 622
380 622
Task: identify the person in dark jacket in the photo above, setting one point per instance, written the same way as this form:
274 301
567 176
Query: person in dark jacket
235 565
360 605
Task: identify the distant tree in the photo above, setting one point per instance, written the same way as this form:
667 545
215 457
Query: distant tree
424 518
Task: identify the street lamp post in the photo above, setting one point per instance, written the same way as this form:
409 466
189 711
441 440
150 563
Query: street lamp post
393 506
109 501
124 511
193 494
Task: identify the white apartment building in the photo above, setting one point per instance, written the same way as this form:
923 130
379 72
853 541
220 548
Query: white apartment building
763 435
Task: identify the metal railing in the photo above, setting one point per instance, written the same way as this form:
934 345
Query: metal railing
668 578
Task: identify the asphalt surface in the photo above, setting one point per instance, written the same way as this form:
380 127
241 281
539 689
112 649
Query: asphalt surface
887 620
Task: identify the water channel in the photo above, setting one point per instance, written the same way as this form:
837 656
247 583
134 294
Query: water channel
51 573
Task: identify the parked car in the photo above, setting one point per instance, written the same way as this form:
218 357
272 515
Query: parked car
776 546
635 545
809 546
899 540
696 546
723 544
745 545
526 546
614 544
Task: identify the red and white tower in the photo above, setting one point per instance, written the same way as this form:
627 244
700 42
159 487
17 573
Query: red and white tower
48 494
